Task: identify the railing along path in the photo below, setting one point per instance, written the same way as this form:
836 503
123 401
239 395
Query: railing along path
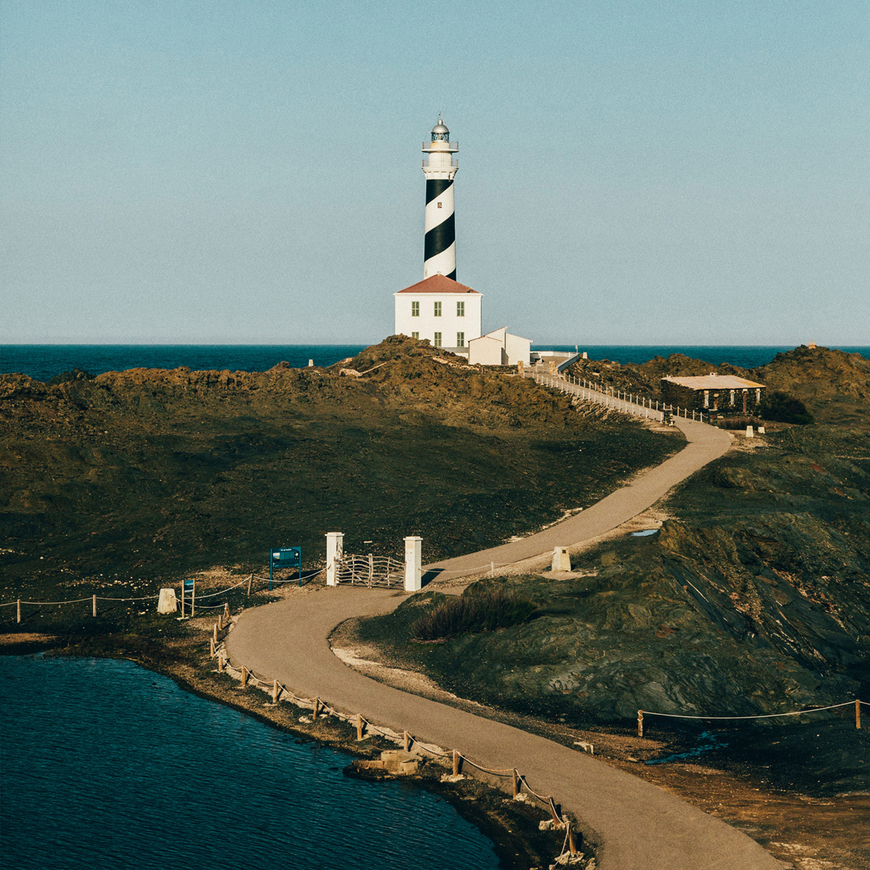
616 400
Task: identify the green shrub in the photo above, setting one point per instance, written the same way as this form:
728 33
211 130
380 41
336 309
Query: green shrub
479 611
737 422
783 408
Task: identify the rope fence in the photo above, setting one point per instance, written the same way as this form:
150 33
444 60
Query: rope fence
856 703
186 603
491 566
457 759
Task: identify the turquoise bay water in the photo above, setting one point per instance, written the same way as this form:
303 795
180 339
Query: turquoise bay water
106 765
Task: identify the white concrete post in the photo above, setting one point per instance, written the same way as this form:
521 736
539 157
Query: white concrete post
167 603
413 564
561 559
749 432
334 550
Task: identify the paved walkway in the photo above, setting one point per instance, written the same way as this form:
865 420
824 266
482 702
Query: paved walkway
705 443
636 825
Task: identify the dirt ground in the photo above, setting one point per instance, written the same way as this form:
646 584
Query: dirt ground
132 481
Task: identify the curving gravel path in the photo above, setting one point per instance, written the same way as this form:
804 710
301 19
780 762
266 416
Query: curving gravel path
705 443
637 826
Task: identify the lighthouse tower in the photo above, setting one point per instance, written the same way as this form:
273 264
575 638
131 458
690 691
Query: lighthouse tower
440 169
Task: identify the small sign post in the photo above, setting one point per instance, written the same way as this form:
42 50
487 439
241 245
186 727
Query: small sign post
285 557
188 593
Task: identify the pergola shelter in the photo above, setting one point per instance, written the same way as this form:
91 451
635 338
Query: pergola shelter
713 392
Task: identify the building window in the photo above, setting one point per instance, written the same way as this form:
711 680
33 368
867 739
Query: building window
460 311
415 309
460 339
437 339
437 309
415 335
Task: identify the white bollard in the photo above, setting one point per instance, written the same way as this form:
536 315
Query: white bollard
334 549
413 564
168 602
762 430
749 432
561 559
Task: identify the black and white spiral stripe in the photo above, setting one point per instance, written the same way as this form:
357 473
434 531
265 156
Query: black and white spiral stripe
439 255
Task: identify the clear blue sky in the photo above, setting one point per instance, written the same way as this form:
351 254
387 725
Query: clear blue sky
630 172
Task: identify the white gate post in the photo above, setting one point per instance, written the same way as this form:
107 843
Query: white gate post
413 564
334 549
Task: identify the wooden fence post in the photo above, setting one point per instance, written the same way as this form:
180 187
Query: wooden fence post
553 812
456 762
220 663
211 647
227 611
193 598
516 782
250 581
640 723
406 741
275 692
244 676
94 606
316 707
857 714
359 726
18 611
571 847
215 633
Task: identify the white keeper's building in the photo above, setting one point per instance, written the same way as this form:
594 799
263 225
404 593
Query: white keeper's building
441 310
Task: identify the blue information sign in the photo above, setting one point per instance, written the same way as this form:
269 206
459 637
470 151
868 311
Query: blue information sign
285 557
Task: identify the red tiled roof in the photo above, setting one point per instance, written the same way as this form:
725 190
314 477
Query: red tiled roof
438 284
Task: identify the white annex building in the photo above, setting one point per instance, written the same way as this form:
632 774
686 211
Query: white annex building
499 348
441 310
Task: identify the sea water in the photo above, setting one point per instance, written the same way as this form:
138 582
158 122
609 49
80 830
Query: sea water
44 361
106 765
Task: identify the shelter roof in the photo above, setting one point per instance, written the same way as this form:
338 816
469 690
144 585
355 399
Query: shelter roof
714 381
438 284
